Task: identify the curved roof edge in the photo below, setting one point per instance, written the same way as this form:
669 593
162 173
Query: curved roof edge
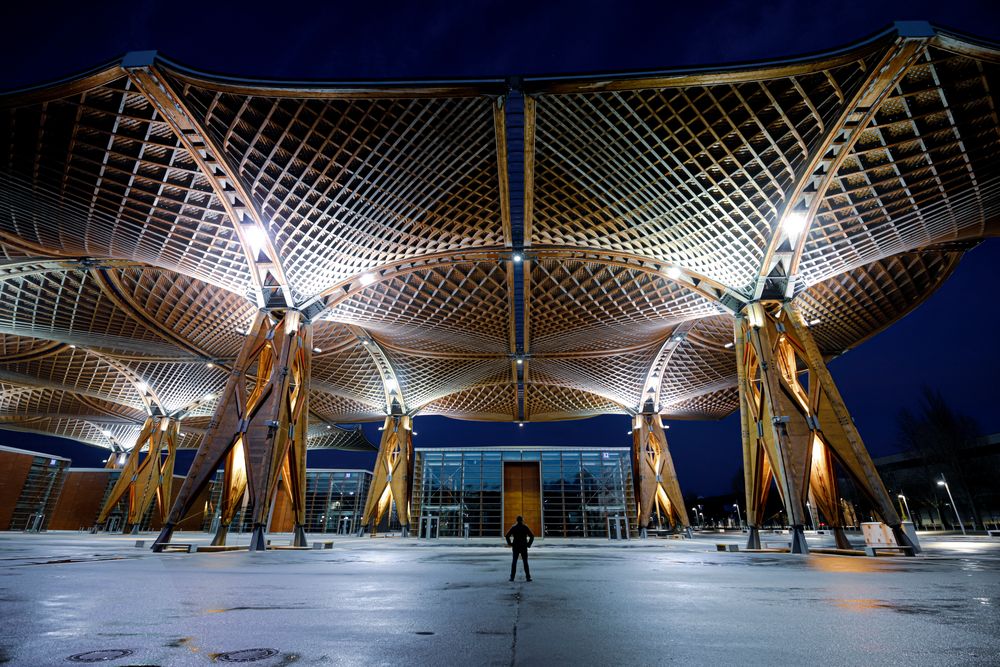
497 86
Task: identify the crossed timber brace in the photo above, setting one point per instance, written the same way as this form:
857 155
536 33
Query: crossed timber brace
656 479
148 478
795 426
258 430
393 474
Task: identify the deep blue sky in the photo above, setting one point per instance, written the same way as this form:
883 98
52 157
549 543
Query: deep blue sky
950 342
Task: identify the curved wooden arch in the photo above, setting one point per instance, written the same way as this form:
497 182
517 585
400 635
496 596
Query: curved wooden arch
385 370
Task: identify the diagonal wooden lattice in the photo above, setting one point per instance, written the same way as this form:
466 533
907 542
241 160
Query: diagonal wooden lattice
547 402
924 170
434 234
689 173
373 180
580 306
450 308
98 172
487 402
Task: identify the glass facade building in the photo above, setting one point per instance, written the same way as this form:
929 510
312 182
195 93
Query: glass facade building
583 490
335 501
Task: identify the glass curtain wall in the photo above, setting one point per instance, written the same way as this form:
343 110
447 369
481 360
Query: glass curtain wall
335 501
581 489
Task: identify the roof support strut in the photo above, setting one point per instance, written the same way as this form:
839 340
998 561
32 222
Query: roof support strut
150 478
259 427
793 431
656 482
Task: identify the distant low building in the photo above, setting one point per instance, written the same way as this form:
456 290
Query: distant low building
974 478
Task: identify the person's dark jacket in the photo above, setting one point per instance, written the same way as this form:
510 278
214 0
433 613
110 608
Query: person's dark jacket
520 536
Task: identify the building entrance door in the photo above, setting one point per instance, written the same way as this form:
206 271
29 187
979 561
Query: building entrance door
522 495
617 528
428 526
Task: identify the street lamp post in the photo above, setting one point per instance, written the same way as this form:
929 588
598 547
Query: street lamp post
942 482
906 504
739 519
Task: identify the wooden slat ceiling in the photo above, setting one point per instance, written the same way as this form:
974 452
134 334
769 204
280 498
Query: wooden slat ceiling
651 210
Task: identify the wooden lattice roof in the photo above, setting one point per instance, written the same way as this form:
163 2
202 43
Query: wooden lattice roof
526 249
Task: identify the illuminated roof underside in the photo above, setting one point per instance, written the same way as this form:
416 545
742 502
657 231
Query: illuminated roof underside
607 251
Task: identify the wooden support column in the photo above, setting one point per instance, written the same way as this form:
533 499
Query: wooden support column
756 465
149 478
258 428
656 479
836 430
795 426
393 472
234 485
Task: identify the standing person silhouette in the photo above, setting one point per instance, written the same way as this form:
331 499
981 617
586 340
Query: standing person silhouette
520 538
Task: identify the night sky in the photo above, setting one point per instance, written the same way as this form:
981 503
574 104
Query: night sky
950 342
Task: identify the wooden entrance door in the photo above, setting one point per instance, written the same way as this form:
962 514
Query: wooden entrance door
522 495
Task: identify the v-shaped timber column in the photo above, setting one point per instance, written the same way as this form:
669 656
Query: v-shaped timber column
259 429
656 480
150 478
393 474
795 425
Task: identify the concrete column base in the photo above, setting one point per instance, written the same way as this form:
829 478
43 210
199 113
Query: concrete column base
163 539
258 541
220 535
799 545
841 537
903 540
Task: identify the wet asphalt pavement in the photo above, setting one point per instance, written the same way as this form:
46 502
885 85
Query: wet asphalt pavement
415 602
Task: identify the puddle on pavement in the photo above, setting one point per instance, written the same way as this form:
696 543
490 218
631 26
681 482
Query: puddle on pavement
257 608
951 611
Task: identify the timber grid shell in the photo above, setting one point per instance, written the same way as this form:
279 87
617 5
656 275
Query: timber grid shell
559 248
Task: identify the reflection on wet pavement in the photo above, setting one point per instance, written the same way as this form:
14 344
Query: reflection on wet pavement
449 601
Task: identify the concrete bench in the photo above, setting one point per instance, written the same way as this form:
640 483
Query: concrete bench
993 533
873 551
328 544
786 545
139 544
179 547
727 547
214 549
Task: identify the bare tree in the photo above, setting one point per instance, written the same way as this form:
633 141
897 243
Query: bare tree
938 435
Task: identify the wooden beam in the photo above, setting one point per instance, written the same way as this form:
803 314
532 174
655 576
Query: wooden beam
392 477
248 223
254 426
